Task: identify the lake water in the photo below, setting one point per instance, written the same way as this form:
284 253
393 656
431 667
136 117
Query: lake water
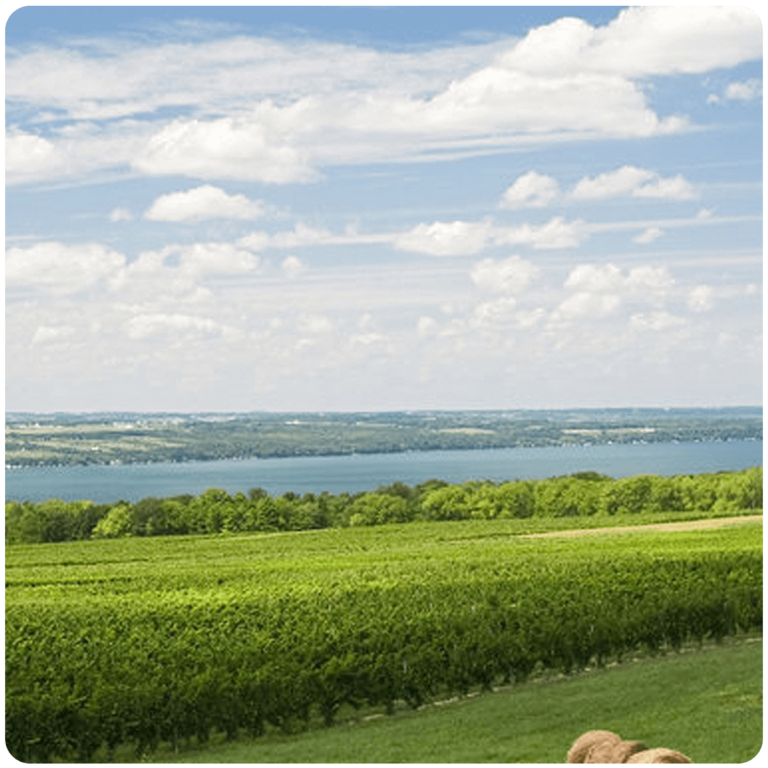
364 472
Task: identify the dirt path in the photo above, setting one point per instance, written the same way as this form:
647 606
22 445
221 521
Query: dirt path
687 525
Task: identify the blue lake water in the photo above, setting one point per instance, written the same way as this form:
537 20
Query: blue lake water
364 472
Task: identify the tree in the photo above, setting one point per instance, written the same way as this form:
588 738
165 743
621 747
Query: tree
378 508
516 499
115 524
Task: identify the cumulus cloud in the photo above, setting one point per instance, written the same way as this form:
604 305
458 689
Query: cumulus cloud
59 268
463 238
650 283
595 278
510 275
201 203
700 299
586 305
747 90
598 290
46 334
643 41
28 155
493 315
555 234
144 326
426 326
535 190
456 238
648 235
656 322
313 324
179 268
634 182
120 214
646 282
292 266
531 190
229 148
276 112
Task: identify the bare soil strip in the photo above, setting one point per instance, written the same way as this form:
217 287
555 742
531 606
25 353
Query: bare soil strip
688 525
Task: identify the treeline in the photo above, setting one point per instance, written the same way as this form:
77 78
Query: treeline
215 511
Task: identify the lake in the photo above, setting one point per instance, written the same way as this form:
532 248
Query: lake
364 472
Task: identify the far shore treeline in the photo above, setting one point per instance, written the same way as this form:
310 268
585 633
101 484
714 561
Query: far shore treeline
217 512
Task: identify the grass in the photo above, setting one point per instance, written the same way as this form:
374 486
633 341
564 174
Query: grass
707 703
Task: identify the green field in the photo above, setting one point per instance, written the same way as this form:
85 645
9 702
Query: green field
151 644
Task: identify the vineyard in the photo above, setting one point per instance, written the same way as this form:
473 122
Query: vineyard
172 640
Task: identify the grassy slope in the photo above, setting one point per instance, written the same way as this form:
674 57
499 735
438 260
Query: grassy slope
706 703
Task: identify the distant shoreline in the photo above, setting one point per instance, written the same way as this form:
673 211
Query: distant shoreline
192 459
114 438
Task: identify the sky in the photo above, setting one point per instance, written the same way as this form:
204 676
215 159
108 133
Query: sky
382 208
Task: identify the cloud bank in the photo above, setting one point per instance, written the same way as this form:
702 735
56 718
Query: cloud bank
292 110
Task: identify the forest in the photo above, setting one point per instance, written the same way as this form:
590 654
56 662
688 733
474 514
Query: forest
112 438
585 494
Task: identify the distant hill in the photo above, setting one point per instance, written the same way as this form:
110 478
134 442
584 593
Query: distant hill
34 439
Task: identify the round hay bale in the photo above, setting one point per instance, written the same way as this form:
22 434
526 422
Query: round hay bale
658 755
610 751
584 747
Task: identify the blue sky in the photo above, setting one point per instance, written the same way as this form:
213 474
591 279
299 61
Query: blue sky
373 208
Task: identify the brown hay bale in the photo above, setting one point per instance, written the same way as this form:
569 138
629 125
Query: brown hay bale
590 741
610 751
658 755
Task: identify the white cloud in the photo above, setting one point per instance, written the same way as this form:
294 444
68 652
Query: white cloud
635 182
531 190
216 258
463 238
144 326
600 289
555 234
583 305
649 283
201 203
27 155
595 278
457 238
490 315
60 268
510 275
313 324
745 91
231 148
426 326
656 322
303 235
46 334
292 266
649 235
120 214
700 299
179 268
645 40
674 188
276 111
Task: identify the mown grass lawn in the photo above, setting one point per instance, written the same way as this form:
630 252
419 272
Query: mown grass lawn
706 703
